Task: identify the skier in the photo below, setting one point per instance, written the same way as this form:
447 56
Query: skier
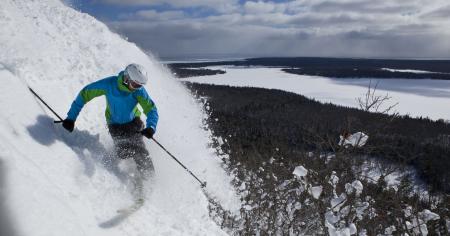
123 92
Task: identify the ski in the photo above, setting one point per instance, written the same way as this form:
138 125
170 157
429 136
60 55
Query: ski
128 210
122 214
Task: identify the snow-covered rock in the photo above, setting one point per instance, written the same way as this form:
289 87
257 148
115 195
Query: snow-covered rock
331 218
337 202
353 229
426 215
316 191
300 171
390 230
358 139
447 223
333 179
361 208
408 211
335 231
358 186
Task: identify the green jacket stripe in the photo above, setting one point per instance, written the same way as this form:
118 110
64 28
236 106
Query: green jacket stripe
89 94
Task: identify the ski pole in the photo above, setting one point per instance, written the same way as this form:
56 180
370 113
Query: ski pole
202 184
40 99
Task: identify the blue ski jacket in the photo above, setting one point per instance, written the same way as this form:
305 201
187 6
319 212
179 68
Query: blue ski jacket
121 103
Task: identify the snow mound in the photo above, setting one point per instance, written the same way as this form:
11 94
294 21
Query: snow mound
59 183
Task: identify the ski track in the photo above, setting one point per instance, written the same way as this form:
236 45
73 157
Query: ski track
59 183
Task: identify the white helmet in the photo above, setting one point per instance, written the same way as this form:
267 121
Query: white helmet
136 73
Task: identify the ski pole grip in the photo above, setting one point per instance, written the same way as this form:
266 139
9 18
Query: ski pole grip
57 121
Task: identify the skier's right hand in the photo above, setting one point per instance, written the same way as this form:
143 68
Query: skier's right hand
68 124
148 132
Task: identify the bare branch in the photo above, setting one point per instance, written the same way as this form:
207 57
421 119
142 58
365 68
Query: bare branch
372 102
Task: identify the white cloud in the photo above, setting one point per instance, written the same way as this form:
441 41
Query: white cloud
442 13
218 5
259 7
171 39
152 15
300 27
160 16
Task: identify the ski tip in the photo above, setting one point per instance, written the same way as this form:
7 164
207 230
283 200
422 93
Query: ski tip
138 204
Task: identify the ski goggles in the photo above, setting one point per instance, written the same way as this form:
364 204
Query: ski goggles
131 83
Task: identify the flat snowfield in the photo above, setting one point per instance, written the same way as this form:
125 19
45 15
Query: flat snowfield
53 182
426 97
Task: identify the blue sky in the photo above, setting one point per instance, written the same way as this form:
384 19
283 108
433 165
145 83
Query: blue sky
237 28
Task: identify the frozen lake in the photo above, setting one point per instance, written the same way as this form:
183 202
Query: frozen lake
424 97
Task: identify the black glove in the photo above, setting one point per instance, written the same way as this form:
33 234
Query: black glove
148 132
68 124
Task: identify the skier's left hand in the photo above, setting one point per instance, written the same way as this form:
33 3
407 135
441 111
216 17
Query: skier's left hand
148 132
68 124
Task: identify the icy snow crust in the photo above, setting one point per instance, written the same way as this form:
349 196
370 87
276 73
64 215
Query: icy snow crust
58 183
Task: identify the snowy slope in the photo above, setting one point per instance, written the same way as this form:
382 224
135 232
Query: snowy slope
60 183
427 98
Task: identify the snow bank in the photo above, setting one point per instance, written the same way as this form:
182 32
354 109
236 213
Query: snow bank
58 183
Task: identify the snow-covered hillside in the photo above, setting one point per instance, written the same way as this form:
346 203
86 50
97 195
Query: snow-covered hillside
59 183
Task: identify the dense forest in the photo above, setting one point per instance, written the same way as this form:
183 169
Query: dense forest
265 134
262 120
180 72
295 178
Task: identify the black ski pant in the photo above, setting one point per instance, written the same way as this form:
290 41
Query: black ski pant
129 143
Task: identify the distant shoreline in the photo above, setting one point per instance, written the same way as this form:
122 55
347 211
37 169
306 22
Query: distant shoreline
332 67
